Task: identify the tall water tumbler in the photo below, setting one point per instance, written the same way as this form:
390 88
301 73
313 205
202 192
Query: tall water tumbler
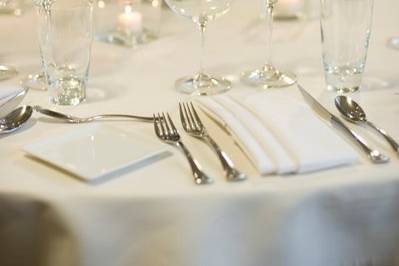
66 34
345 35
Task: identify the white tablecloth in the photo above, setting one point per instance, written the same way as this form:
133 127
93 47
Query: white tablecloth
156 215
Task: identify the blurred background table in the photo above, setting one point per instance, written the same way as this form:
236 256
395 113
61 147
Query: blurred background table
156 215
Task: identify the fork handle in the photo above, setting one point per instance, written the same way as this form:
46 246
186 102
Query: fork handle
232 174
388 138
200 178
137 117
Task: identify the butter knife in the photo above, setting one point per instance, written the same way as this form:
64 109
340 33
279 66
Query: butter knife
374 155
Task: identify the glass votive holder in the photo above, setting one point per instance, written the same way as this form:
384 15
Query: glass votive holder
128 22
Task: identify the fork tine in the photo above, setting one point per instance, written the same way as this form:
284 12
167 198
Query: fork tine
162 126
168 130
182 118
189 121
197 118
156 128
192 120
172 124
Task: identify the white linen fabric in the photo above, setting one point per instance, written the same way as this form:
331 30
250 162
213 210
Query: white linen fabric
6 93
156 215
279 132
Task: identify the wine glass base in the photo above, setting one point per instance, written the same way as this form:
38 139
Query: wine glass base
7 72
202 84
268 77
126 39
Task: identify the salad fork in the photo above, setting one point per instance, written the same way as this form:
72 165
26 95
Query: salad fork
167 132
193 125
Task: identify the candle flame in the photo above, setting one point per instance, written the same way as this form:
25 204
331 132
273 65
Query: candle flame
101 4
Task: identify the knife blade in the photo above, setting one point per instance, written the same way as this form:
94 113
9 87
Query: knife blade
374 155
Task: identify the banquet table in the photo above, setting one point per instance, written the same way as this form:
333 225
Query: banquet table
156 215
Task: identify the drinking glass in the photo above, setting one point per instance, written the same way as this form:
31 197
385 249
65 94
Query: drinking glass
345 35
201 12
268 76
394 42
65 36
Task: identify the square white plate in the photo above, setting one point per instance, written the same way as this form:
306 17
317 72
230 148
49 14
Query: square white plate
95 151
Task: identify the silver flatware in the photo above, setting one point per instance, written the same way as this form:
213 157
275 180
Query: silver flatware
77 120
374 155
19 116
354 113
15 119
167 132
193 125
7 72
12 103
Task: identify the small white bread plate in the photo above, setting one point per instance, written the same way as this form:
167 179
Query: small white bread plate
96 151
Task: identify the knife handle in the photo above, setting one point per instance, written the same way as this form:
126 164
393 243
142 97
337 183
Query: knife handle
374 155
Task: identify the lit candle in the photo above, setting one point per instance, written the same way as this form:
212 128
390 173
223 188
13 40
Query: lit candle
288 7
131 20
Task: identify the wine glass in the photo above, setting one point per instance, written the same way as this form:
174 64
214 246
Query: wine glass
201 12
394 42
268 76
37 81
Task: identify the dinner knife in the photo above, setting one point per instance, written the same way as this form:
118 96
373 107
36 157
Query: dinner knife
374 155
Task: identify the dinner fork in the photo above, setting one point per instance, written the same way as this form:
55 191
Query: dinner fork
167 132
193 125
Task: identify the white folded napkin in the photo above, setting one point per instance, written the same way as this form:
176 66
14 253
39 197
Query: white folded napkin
278 131
6 93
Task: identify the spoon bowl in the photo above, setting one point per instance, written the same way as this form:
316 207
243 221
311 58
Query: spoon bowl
15 119
350 109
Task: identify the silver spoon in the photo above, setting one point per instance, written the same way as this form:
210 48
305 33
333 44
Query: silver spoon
352 111
19 116
15 119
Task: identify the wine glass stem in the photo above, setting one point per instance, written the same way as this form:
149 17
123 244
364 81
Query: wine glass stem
202 27
269 30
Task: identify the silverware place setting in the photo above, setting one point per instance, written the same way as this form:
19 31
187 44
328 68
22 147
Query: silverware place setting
354 113
374 155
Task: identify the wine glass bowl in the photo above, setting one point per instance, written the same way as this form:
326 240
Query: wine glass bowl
201 12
